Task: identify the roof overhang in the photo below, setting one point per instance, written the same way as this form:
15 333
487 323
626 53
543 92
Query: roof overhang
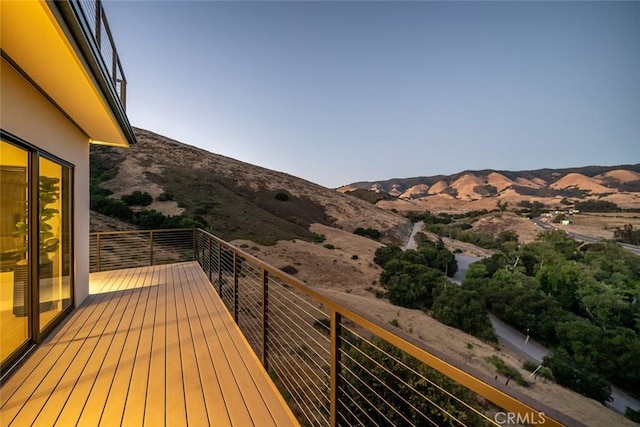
46 51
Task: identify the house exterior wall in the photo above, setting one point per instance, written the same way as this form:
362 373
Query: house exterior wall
27 114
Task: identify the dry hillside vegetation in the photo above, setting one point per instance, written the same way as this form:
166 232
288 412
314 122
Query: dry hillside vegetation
102 223
600 224
624 176
581 182
237 199
498 222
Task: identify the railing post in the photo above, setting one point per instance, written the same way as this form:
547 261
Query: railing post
235 287
114 62
123 93
151 248
219 269
98 16
204 248
265 319
98 245
334 366
209 244
195 246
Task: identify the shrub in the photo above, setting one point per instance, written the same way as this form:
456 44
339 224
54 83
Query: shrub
354 256
282 196
165 197
540 371
329 246
371 233
507 370
289 269
113 208
632 414
318 238
138 198
151 219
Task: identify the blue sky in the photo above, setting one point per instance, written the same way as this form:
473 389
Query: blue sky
338 92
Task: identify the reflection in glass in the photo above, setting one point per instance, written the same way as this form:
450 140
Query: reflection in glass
14 271
54 246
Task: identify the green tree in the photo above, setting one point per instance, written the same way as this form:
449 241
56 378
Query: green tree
627 234
386 253
597 206
385 386
463 309
583 381
413 286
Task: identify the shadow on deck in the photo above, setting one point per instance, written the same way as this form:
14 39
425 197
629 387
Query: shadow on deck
150 346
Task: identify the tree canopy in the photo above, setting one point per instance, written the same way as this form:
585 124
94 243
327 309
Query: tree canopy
581 300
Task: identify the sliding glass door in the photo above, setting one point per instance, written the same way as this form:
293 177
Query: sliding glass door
14 254
36 245
54 220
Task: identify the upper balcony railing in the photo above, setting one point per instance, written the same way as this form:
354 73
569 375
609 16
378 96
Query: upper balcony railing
95 19
333 365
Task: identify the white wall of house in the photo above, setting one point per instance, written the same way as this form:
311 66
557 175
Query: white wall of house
27 114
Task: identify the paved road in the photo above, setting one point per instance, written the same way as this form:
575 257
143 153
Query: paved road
411 243
531 349
463 264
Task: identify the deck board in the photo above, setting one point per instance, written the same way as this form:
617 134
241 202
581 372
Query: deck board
150 346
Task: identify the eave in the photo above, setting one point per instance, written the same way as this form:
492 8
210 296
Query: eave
53 56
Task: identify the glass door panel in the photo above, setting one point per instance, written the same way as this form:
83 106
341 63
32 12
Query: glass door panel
14 269
54 246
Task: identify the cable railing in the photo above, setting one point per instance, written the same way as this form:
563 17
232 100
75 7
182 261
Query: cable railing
333 365
127 249
337 367
96 20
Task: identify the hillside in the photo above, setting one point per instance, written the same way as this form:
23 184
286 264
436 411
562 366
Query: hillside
237 200
483 189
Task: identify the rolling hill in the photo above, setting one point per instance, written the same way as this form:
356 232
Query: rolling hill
554 187
237 200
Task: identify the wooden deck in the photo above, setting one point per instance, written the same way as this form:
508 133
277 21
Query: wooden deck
151 346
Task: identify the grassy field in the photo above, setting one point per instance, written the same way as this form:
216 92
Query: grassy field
601 224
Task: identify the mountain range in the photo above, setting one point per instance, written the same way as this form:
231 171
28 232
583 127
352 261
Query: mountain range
617 184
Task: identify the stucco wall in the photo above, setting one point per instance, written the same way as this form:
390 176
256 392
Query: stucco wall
31 117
